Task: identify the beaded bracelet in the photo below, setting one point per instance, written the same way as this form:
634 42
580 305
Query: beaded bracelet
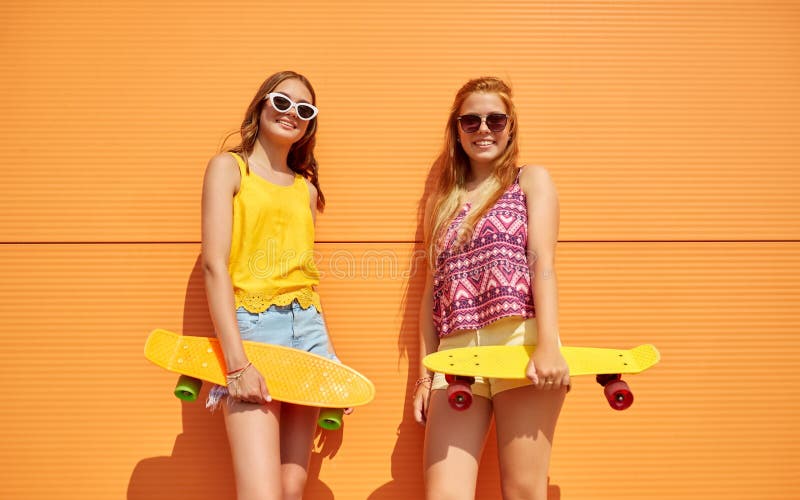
422 380
237 374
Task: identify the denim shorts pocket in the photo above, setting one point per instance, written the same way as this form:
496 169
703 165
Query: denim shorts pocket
317 324
318 317
247 321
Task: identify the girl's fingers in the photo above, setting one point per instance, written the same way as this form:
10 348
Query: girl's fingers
264 391
531 373
420 407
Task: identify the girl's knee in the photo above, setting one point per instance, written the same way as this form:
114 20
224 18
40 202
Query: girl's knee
294 483
254 491
450 492
524 487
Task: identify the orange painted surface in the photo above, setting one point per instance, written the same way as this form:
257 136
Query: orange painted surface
660 120
669 127
88 417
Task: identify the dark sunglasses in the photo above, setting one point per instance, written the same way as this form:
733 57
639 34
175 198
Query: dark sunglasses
496 122
283 104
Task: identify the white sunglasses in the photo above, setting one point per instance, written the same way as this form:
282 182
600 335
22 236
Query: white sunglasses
283 104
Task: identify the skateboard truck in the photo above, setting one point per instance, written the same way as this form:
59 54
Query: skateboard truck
616 390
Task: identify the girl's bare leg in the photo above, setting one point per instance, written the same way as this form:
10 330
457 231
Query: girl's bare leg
525 419
254 437
453 444
298 425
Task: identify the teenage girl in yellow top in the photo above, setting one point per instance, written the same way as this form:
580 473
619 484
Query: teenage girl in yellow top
259 206
491 230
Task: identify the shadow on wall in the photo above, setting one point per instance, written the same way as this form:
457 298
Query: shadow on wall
407 453
200 464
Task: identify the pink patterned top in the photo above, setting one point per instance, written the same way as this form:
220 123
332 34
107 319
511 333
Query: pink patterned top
487 278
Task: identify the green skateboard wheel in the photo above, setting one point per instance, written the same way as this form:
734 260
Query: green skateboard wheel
330 418
187 388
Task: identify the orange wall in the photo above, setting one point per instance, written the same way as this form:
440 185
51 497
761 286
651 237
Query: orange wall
670 129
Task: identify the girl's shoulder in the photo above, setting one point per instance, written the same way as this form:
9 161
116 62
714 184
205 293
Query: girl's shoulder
223 172
534 172
535 178
223 160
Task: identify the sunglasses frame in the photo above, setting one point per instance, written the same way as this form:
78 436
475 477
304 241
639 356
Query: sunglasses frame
484 119
296 105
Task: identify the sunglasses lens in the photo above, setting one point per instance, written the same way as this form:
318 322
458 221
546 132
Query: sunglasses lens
470 123
281 103
496 122
305 111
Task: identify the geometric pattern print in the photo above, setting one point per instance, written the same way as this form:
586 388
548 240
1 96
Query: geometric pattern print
487 278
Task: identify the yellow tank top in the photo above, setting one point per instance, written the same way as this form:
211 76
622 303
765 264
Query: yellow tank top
272 246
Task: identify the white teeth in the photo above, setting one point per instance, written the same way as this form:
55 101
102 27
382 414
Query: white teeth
484 143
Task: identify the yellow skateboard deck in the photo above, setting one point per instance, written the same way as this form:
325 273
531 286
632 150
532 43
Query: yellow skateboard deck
462 364
291 375
511 361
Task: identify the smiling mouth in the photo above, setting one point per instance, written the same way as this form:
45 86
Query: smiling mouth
484 143
286 123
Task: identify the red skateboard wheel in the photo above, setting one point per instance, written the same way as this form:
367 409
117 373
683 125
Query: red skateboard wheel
459 395
459 392
619 395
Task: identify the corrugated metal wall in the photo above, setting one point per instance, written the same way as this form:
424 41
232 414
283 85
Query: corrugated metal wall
671 129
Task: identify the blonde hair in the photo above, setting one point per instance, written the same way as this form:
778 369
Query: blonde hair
301 155
453 165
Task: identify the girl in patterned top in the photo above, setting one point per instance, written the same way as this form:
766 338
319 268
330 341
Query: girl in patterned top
491 229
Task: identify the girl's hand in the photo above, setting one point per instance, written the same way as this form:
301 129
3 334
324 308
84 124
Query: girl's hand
422 392
249 386
548 369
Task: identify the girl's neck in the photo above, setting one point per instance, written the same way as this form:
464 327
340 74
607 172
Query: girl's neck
270 155
476 176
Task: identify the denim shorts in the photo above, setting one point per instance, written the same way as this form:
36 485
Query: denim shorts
289 326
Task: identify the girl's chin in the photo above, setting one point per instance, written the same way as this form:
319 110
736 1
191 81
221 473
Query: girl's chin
280 134
484 156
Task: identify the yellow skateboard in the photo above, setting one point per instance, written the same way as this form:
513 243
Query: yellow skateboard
292 376
461 365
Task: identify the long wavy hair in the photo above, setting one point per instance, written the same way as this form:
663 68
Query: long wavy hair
301 154
453 166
